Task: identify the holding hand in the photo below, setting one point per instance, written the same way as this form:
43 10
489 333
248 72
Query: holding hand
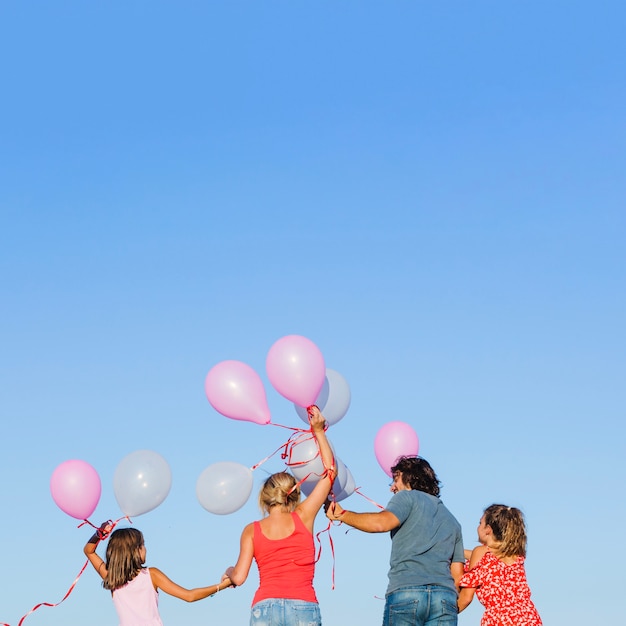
226 577
102 533
333 510
316 419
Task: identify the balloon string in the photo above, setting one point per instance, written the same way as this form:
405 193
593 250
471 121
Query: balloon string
356 490
268 457
286 447
319 552
101 535
330 524
57 604
332 551
108 522
302 430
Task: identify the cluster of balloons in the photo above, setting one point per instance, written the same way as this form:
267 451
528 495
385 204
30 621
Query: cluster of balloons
296 369
141 482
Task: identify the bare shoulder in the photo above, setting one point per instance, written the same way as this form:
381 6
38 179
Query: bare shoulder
477 553
156 576
248 531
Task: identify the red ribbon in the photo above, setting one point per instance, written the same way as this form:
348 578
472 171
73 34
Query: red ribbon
57 604
101 535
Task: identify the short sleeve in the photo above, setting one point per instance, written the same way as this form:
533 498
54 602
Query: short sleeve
459 552
470 579
400 505
473 577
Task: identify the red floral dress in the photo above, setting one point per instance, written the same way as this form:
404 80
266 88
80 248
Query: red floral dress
503 591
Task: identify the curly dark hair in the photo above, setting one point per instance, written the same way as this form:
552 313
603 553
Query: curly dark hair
418 474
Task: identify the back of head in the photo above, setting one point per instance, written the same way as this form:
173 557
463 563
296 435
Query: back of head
280 489
417 474
124 557
508 528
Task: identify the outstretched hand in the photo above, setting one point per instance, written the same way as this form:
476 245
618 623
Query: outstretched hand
333 510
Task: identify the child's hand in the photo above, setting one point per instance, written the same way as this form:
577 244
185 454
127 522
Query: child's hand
226 576
105 529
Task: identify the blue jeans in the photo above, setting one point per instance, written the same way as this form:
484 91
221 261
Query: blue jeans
423 605
281 612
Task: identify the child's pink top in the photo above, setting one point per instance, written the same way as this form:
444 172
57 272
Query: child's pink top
137 602
286 566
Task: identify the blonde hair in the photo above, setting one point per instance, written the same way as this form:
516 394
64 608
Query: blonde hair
124 559
280 489
509 529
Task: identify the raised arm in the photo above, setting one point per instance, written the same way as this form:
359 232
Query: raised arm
311 505
90 549
161 581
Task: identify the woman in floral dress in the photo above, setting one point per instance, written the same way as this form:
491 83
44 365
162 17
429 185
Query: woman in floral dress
496 573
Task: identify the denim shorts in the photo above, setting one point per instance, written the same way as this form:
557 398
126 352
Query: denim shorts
423 605
282 612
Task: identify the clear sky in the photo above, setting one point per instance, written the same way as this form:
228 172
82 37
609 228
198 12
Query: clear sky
432 192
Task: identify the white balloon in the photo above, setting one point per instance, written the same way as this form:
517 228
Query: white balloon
304 459
224 487
344 484
333 399
141 482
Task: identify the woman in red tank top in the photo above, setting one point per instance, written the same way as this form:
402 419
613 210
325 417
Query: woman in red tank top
282 543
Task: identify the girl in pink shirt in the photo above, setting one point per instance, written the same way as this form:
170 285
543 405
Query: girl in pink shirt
134 587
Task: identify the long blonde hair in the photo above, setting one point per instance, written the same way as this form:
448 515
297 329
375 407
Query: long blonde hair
124 558
509 529
280 489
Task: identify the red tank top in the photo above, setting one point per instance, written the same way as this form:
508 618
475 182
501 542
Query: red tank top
286 566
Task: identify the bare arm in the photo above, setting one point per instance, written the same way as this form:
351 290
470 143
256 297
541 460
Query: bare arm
311 505
477 554
367 522
161 581
466 594
239 572
90 550
457 570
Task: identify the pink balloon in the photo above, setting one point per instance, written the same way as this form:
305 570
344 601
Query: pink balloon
296 369
394 440
235 390
75 487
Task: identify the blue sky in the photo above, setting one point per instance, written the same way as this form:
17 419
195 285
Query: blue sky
433 193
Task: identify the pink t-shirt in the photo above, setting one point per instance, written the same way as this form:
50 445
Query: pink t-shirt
286 566
137 602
